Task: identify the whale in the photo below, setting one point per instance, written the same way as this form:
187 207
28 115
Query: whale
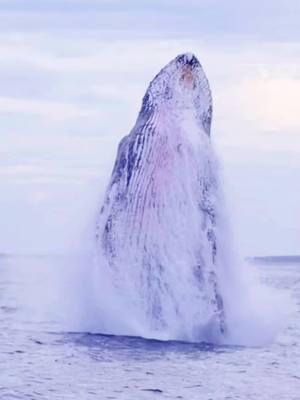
159 229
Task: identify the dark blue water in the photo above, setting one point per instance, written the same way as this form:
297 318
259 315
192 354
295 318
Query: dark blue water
39 361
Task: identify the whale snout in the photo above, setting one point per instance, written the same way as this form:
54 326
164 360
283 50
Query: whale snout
193 61
179 86
188 59
187 64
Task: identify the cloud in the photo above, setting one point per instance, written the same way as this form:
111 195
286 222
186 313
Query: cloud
54 110
73 74
271 104
264 19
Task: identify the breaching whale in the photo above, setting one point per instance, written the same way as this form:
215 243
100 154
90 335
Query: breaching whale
158 227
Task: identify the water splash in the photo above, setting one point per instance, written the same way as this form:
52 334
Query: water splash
164 266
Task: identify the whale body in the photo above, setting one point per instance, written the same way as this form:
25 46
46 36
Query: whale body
158 230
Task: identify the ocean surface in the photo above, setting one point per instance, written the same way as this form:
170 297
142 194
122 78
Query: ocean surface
39 360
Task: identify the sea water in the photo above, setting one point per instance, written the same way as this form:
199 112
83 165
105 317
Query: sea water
41 359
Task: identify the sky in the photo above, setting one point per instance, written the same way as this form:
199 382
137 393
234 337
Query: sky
72 76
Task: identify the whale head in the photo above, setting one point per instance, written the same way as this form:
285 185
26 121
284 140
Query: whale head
179 86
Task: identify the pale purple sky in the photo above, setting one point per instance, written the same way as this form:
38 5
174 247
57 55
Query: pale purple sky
72 76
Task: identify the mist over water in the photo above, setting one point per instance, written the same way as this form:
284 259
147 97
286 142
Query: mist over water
56 204
59 219
97 299
69 293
